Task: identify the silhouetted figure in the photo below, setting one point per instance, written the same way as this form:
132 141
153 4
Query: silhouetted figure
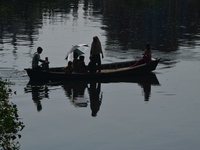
36 59
146 56
75 62
81 67
68 69
95 97
92 67
95 52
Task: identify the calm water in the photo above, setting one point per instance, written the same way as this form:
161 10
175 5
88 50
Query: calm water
160 114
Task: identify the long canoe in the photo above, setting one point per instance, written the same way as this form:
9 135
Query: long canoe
108 71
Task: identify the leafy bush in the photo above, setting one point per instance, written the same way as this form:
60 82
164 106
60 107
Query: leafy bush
10 124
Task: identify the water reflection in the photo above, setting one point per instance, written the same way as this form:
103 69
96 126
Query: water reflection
75 91
146 90
96 97
20 22
38 92
127 23
84 93
160 23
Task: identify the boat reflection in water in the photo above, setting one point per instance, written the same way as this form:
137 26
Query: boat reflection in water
77 95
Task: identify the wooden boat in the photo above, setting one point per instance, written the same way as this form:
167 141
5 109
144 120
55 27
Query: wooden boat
108 71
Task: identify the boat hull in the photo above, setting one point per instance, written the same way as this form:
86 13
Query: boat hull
113 70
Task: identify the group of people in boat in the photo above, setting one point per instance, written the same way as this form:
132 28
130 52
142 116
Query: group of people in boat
78 65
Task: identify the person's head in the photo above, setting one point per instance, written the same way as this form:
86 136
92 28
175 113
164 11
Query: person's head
82 58
75 55
147 46
95 38
69 63
39 50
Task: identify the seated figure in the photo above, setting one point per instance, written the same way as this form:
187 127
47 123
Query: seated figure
92 66
69 68
146 56
81 67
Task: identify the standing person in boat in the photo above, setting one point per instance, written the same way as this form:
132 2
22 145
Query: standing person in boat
146 56
36 59
95 52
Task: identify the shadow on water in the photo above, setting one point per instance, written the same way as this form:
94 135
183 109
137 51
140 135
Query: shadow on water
75 91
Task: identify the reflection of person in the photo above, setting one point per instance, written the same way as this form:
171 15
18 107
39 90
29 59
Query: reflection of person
146 89
146 56
38 93
36 59
95 97
95 51
36 98
75 92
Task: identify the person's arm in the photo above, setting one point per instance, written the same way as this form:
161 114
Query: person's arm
44 61
41 60
37 56
145 53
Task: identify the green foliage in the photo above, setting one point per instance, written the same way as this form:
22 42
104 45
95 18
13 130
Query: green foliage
10 124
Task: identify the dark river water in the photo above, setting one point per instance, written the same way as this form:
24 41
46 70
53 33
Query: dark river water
161 114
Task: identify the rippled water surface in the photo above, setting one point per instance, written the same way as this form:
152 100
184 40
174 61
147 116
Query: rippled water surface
162 113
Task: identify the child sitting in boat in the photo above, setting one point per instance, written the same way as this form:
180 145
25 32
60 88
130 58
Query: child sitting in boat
146 56
69 68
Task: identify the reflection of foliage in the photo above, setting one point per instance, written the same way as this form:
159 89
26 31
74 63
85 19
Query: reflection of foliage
24 8
9 120
132 23
20 20
128 23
